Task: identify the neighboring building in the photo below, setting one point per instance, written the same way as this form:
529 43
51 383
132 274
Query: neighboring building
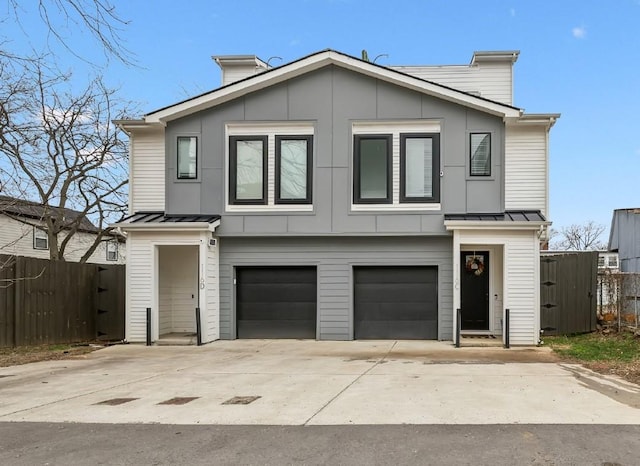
22 233
608 261
337 199
624 238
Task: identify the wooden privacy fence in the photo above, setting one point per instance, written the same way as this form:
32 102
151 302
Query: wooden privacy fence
51 302
568 285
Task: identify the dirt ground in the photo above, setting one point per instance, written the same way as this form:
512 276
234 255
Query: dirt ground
629 371
26 355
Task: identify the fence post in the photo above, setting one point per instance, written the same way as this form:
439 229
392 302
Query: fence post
198 327
148 326
506 328
458 327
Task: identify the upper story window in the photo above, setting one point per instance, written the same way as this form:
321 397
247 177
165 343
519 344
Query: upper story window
613 261
40 239
480 153
248 169
419 167
112 250
293 169
270 166
372 169
187 157
396 165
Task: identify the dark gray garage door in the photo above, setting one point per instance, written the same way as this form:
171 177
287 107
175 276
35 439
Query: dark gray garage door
276 302
396 303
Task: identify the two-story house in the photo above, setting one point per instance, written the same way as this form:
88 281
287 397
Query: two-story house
23 233
336 199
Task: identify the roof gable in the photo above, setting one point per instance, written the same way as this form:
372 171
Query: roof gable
319 60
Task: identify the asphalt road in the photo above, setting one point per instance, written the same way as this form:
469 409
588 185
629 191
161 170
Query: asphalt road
114 444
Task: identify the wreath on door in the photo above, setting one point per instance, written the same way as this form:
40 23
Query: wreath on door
475 264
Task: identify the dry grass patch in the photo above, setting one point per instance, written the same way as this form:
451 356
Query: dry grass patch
28 354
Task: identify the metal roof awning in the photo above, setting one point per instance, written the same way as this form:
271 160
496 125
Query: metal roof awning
158 220
510 219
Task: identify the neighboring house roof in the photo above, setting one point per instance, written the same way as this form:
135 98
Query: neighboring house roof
313 62
158 220
21 208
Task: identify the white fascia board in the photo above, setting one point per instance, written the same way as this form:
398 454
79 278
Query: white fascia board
487 225
177 226
286 72
534 119
128 126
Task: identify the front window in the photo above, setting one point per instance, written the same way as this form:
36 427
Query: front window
372 173
419 167
187 157
480 150
248 169
40 239
293 169
112 250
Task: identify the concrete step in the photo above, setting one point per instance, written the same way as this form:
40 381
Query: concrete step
481 341
177 339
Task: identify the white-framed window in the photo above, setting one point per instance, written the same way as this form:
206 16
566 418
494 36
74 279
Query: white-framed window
269 166
112 250
613 261
396 165
40 239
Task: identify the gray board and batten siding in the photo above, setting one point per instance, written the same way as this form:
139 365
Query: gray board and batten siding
335 260
332 99
625 238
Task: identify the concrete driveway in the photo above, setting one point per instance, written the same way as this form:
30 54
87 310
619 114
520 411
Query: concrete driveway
315 383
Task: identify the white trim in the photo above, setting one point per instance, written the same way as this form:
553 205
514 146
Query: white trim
270 129
270 208
395 128
396 207
318 61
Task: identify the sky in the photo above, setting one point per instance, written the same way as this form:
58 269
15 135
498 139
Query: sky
578 58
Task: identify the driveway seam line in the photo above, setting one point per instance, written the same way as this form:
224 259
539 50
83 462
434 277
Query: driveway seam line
350 384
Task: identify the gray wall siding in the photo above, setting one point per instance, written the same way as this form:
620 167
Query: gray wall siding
625 237
335 258
332 99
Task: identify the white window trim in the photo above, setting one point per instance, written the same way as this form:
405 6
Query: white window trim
271 130
46 237
395 128
114 242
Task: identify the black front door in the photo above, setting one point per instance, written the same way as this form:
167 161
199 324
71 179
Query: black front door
474 290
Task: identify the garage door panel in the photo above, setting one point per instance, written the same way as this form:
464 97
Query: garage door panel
391 312
273 292
276 302
277 311
401 330
395 302
396 292
284 329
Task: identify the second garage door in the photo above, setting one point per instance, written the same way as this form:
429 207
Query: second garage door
396 303
276 302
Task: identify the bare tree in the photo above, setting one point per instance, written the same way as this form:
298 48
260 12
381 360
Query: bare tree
579 237
62 18
61 149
